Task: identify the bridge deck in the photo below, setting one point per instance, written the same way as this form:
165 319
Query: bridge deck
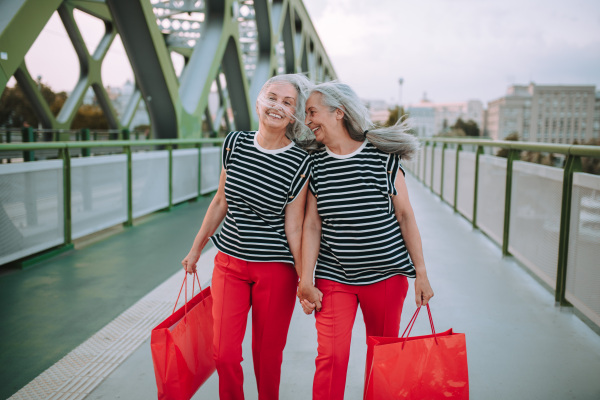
519 345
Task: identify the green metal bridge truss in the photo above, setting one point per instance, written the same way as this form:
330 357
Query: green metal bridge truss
230 47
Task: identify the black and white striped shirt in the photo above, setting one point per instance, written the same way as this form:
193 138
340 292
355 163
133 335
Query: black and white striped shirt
361 241
260 183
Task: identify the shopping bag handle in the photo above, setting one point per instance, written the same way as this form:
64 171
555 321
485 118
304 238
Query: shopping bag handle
412 323
185 284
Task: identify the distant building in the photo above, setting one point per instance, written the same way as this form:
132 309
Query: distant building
544 113
378 110
429 119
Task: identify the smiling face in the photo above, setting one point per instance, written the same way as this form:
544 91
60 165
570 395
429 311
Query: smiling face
323 122
276 106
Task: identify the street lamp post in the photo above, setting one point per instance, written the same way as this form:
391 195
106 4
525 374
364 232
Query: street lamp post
400 81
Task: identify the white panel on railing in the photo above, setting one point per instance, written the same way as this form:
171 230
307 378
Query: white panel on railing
466 184
490 196
422 156
150 173
31 208
98 193
449 175
211 169
583 268
427 169
437 170
185 174
535 218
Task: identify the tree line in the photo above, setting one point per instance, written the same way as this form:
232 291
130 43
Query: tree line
16 110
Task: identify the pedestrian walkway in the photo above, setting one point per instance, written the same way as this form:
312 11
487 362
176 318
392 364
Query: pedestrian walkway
519 345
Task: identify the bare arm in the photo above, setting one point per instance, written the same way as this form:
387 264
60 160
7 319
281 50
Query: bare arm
412 239
294 218
213 218
311 243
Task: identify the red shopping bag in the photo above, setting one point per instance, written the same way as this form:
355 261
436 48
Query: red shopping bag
182 347
421 367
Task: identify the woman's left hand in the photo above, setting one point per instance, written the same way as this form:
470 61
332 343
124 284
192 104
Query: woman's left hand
423 290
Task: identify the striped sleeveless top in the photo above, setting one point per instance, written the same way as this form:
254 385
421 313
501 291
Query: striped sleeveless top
361 241
260 184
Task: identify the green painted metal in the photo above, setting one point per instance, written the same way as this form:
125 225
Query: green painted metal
85 136
458 150
28 137
444 146
478 153
572 165
170 150
199 147
66 156
127 150
432 165
513 155
218 55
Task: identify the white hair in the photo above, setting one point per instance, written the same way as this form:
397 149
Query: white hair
394 139
297 129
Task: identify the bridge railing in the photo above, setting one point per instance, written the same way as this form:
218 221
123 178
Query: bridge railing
46 204
548 218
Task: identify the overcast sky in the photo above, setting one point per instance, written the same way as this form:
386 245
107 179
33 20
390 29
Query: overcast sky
457 50
454 50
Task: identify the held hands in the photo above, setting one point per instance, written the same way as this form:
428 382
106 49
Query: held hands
189 262
310 297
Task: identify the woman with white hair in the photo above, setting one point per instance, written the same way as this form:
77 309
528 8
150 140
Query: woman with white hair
359 230
261 196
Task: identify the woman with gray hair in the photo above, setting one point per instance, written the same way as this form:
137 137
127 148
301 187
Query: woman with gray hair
261 196
359 230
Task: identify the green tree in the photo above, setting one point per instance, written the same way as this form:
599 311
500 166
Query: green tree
514 136
397 113
470 128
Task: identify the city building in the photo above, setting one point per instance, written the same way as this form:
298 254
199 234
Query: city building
378 110
546 113
429 119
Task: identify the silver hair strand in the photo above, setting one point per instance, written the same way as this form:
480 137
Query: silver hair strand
395 139
296 130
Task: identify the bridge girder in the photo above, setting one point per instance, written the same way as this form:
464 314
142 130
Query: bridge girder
230 48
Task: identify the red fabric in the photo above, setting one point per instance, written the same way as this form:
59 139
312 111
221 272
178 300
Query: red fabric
182 349
421 367
381 305
270 289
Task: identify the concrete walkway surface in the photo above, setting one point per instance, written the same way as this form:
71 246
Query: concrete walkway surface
519 345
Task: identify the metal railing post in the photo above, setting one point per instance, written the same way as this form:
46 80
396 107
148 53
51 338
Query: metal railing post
199 147
572 165
67 194
170 149
85 136
513 155
443 165
432 165
127 150
478 153
458 150
28 137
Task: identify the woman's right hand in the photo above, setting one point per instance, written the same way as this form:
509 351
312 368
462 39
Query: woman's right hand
189 262
310 294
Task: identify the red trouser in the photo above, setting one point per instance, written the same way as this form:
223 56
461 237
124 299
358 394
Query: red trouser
270 289
381 304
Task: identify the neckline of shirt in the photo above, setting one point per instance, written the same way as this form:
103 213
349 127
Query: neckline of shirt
342 156
274 151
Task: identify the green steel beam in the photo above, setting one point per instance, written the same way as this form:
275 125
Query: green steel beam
456 176
478 153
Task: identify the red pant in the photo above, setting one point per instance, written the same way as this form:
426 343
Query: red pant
381 304
270 289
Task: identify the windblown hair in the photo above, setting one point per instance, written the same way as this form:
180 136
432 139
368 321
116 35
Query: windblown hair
303 86
394 139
